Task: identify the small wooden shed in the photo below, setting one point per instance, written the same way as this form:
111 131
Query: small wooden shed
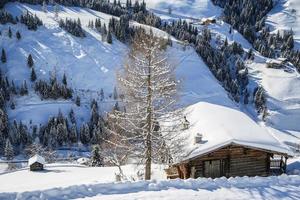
231 144
36 163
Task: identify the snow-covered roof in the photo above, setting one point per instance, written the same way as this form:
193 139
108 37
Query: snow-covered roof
221 126
36 158
83 160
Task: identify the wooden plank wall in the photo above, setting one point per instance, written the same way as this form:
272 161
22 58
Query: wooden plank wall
241 161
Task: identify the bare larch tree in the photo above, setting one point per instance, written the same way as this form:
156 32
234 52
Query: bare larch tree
149 89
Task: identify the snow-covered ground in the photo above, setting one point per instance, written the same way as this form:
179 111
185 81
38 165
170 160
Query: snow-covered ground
183 9
65 175
77 182
286 16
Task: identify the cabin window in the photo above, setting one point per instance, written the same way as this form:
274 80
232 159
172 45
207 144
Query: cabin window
215 168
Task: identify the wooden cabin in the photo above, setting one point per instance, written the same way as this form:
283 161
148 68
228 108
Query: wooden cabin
276 64
230 161
36 163
230 144
206 22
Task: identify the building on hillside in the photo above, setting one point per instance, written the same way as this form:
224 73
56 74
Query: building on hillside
276 63
223 141
36 163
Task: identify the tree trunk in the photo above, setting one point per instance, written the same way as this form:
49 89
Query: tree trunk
148 158
149 125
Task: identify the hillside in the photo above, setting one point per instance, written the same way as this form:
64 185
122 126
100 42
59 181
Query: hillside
184 9
285 16
225 125
91 65
281 85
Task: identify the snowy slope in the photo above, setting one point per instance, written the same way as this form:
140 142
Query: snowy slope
282 88
89 64
184 9
286 16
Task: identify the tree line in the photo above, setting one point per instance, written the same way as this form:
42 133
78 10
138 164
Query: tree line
248 17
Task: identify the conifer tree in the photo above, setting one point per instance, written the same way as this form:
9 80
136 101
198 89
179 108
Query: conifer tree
73 134
97 160
72 117
13 88
9 32
3 56
30 62
77 101
24 89
64 80
115 94
33 75
101 94
12 105
8 151
18 35
109 37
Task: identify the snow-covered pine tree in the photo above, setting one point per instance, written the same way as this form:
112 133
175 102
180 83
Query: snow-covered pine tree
9 32
150 90
9 150
24 89
3 56
85 134
73 134
115 94
30 62
72 116
77 101
64 80
260 100
97 160
18 35
109 37
33 75
101 94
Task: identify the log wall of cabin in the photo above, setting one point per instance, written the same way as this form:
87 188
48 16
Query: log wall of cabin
239 161
36 166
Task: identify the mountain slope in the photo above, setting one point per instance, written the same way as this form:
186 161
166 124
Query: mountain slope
286 16
89 65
